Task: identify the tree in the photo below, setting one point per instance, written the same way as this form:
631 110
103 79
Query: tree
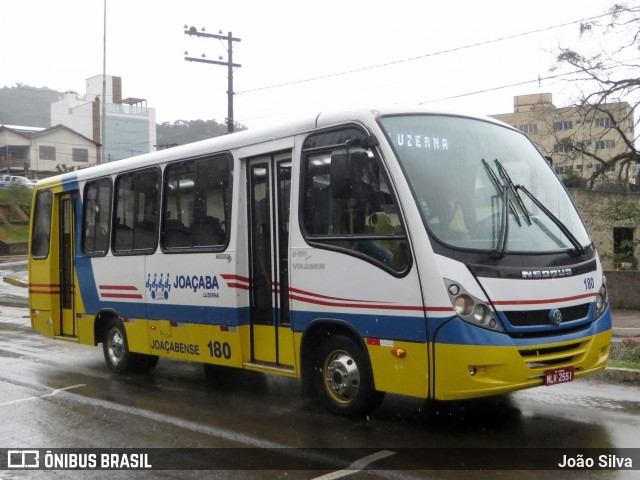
622 216
605 77
181 132
573 179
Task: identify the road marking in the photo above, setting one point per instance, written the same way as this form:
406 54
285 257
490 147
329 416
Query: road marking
357 466
50 394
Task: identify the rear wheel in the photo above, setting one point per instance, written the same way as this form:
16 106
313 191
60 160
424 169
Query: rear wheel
343 378
115 347
116 351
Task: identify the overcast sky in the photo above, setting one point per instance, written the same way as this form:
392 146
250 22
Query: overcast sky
59 43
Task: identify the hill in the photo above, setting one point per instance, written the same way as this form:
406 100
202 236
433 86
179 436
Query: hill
28 106
31 106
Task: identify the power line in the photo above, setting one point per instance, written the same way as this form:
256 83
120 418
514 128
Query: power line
427 55
525 82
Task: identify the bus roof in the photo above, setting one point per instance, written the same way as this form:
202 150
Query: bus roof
283 128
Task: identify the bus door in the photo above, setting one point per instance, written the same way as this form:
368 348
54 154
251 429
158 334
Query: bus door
269 184
67 277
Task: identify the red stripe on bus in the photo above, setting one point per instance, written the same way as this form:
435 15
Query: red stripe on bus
311 294
117 287
234 277
549 300
418 308
121 295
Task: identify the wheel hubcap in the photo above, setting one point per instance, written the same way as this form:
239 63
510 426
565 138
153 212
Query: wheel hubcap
116 347
341 376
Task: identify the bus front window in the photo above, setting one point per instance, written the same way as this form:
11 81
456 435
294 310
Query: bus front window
459 169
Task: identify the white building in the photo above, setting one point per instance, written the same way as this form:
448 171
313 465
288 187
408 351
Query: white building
42 152
130 126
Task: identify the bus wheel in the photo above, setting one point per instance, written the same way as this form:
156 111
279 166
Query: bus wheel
145 363
116 349
344 379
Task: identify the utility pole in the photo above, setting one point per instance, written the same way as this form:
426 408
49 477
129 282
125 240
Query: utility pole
229 64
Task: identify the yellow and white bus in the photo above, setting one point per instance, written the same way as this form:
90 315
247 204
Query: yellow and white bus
367 251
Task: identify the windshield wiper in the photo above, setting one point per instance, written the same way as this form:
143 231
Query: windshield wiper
507 180
500 187
578 248
501 248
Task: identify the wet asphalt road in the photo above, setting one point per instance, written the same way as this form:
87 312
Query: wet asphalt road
58 394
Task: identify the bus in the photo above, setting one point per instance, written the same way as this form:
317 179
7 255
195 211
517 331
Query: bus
364 252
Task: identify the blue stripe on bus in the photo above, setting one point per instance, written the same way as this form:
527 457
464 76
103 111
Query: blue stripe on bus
229 316
391 327
459 332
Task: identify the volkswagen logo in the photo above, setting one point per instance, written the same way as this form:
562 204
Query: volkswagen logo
555 317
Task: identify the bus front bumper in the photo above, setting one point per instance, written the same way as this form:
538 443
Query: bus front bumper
468 370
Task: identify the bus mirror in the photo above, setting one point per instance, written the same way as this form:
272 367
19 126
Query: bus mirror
549 159
339 176
346 174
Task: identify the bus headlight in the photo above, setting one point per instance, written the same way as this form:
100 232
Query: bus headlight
471 309
463 304
602 298
481 314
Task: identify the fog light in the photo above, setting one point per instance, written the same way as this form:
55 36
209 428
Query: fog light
472 371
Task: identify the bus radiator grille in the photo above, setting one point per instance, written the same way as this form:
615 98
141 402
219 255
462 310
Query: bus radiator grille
545 357
532 318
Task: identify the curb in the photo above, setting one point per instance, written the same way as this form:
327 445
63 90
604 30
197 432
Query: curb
625 332
617 375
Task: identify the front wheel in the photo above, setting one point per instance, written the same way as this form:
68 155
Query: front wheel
343 378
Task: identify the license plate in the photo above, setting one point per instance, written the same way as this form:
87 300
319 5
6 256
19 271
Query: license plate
558 375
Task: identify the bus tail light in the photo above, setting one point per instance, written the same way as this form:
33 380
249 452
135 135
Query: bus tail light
471 309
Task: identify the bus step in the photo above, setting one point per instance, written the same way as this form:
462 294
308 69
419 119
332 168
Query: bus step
286 370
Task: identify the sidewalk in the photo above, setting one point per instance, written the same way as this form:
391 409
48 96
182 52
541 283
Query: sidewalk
626 323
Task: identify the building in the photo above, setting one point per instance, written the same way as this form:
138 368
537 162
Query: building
42 152
130 126
584 140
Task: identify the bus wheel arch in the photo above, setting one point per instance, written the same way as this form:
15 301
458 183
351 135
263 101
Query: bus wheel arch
333 350
100 325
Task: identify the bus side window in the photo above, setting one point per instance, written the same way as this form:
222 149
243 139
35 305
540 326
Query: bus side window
96 219
195 210
348 204
136 212
41 237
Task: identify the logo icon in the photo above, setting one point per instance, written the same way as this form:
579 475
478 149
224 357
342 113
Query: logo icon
159 288
23 459
555 317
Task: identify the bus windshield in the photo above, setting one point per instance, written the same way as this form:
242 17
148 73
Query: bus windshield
482 186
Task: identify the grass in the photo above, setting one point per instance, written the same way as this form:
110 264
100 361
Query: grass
625 354
14 195
14 233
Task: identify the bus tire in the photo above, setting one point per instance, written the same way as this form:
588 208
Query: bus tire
344 379
116 349
144 363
